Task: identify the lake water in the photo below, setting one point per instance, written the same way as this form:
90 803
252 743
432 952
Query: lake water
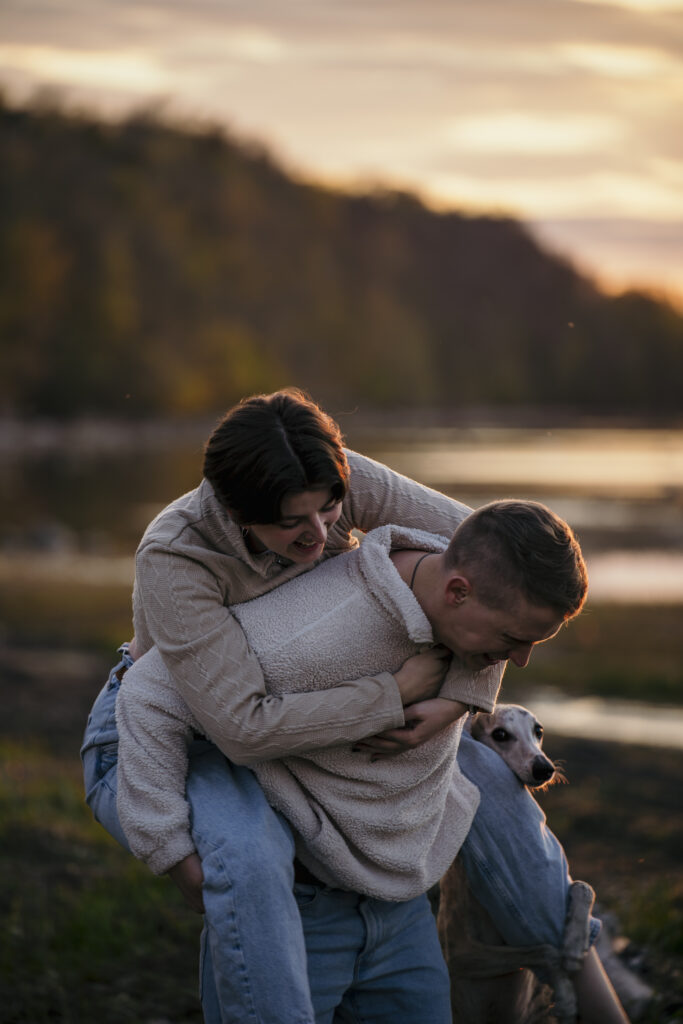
623 463
76 505
616 721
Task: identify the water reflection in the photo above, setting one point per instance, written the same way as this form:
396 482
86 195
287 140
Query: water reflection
633 463
617 577
612 720
622 490
642 577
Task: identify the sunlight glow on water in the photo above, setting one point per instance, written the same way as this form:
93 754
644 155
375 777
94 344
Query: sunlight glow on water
622 577
611 720
636 463
620 489
643 577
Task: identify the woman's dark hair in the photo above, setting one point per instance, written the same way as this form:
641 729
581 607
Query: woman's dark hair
268 446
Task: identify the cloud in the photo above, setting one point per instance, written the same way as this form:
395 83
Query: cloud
548 109
529 133
126 69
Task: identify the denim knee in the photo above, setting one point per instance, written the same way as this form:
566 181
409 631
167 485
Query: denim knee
515 866
100 730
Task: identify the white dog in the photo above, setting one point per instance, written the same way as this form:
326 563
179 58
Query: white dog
517 735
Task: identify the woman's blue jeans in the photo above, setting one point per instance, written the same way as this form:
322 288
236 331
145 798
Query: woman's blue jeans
253 951
253 956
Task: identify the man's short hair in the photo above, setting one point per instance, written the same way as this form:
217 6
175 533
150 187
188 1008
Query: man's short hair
268 446
520 545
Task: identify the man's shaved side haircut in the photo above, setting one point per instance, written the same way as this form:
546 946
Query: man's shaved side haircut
520 545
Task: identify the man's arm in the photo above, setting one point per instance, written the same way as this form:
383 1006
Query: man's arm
155 729
461 690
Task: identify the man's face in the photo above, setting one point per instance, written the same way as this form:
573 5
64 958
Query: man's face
481 636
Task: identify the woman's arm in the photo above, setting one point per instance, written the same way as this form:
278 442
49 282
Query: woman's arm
205 655
155 728
378 496
597 1001
461 690
183 585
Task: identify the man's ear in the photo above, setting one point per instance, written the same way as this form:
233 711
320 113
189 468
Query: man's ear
458 589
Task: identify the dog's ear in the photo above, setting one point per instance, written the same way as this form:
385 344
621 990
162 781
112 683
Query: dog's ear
477 724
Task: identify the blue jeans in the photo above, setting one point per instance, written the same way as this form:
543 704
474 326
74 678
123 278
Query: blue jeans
100 752
372 961
253 957
515 866
252 948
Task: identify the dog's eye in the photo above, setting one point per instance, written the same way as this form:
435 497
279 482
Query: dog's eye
500 735
538 731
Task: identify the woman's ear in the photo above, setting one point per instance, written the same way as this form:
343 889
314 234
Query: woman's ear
458 589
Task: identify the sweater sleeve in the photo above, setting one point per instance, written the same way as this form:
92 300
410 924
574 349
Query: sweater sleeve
476 689
155 728
378 496
205 652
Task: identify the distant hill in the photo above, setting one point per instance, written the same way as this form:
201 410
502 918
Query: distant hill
150 269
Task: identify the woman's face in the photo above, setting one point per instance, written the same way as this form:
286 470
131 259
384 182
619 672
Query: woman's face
301 531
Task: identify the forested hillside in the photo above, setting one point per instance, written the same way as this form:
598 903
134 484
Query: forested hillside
150 269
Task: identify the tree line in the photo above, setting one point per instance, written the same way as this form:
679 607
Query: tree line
153 269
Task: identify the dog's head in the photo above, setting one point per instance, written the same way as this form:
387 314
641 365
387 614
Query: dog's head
517 735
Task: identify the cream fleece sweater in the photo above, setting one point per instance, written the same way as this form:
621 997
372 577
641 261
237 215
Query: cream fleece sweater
389 828
191 566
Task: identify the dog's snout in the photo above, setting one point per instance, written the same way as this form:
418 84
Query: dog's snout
542 769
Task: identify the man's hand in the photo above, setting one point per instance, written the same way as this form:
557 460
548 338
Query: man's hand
421 676
189 877
423 721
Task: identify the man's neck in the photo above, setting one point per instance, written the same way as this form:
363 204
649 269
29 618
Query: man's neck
410 564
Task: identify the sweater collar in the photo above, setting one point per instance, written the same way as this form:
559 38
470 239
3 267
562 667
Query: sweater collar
384 581
226 535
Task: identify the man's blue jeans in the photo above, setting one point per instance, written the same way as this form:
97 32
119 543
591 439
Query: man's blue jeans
371 961
253 950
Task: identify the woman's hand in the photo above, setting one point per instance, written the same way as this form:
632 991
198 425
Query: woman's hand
189 877
423 721
421 676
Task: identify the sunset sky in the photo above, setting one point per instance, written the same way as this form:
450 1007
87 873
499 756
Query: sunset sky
565 113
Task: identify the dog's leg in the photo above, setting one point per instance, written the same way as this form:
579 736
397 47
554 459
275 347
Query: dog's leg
490 982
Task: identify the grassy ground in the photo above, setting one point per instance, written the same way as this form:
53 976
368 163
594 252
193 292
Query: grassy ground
88 935
627 651
621 824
